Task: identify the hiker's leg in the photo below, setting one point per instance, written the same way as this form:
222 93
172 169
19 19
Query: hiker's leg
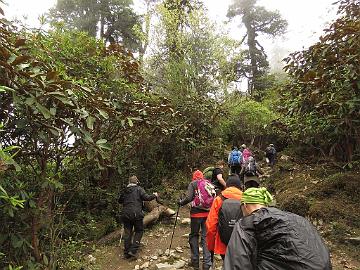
128 227
237 170
139 230
206 253
194 241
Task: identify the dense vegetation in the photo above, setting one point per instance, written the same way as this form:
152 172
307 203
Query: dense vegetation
91 100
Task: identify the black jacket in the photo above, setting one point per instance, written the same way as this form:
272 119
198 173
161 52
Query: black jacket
132 199
273 239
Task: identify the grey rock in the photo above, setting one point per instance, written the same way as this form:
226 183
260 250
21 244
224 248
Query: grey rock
145 265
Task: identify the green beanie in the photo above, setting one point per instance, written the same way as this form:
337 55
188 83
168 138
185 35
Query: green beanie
257 195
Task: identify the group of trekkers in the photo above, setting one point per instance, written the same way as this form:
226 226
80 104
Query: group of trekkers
233 218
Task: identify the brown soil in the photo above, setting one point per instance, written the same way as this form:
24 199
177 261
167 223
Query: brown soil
294 189
156 239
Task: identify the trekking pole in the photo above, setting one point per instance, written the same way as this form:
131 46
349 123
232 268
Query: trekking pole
172 236
121 235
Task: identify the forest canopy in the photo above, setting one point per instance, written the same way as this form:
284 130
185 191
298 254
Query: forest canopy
104 92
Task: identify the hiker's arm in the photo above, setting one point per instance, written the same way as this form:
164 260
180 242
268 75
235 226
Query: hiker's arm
229 156
121 198
211 224
221 180
146 197
241 250
190 195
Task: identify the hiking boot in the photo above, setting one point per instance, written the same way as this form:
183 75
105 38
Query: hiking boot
132 256
194 265
206 267
126 256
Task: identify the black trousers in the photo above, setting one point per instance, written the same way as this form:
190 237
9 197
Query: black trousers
133 232
235 169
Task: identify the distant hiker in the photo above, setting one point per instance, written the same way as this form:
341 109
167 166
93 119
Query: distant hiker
268 238
132 215
217 177
201 194
234 160
251 172
224 212
246 153
270 154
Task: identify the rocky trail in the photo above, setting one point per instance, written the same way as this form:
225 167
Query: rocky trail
156 242
154 253
154 250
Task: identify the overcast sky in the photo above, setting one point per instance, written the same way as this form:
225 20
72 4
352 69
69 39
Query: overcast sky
306 19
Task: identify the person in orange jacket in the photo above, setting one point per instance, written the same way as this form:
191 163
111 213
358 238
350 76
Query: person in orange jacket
232 191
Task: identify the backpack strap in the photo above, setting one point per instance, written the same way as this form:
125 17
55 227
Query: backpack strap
223 198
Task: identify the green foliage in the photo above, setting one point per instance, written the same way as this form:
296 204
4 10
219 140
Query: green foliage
247 121
322 101
114 20
70 255
191 56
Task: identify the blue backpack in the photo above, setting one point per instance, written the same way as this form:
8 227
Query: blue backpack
235 157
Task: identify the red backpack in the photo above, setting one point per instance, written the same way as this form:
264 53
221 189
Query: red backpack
204 194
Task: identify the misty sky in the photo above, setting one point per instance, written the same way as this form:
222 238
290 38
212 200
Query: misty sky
306 19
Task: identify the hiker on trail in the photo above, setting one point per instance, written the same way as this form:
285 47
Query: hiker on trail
270 155
224 212
251 172
217 177
246 153
234 160
132 215
268 238
201 194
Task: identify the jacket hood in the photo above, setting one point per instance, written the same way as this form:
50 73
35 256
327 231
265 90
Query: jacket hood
197 175
130 187
233 192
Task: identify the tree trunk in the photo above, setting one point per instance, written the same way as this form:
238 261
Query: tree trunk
251 41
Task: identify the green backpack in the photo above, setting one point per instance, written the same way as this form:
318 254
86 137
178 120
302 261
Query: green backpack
208 173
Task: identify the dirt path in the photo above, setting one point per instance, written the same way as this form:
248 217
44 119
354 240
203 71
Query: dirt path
157 239
155 242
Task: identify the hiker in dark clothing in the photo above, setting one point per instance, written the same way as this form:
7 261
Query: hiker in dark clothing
268 238
250 173
217 178
132 215
198 215
270 154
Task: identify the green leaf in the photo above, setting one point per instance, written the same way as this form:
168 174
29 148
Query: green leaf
130 122
53 111
45 260
87 137
4 88
90 122
103 113
30 101
101 141
32 204
106 146
45 112
54 131
65 100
